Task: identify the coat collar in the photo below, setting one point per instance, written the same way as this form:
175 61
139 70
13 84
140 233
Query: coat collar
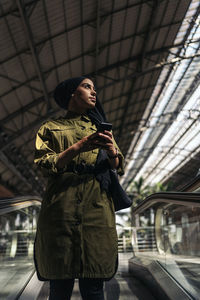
76 116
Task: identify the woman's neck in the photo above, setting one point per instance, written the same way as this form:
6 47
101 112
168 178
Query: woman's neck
77 109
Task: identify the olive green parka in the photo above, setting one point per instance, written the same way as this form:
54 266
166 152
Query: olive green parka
76 233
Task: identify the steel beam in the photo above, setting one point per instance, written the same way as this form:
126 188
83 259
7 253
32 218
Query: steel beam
109 39
51 43
11 167
87 23
64 6
14 10
140 61
97 38
29 37
148 33
41 99
90 52
18 82
109 67
19 58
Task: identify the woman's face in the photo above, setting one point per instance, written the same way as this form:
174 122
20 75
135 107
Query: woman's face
85 96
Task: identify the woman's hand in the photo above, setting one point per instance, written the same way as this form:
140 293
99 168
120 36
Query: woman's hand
97 140
101 140
106 142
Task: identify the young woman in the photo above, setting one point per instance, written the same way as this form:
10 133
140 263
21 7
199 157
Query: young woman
76 234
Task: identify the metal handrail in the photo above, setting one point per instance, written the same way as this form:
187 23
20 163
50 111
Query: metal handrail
12 204
168 197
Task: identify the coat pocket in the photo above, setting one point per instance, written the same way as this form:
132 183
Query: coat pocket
63 138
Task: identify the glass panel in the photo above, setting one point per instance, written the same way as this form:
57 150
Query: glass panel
180 243
180 230
170 234
144 232
17 233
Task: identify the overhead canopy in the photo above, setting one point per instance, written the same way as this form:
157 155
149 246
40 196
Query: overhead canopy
131 49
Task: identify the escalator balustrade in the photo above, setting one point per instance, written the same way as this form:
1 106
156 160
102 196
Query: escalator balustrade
17 233
166 241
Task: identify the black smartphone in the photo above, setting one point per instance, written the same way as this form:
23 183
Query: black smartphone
104 126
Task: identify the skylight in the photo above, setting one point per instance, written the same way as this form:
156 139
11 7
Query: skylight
172 134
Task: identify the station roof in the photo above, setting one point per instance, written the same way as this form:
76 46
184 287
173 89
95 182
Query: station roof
144 59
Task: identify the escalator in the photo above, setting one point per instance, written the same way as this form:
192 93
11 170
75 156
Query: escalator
166 245
165 263
18 220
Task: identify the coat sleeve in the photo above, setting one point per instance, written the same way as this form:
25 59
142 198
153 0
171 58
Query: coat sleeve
45 156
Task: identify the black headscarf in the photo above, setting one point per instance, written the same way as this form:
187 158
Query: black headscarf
62 96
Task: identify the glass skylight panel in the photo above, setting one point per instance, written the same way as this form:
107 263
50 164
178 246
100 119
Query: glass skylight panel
169 102
174 160
190 139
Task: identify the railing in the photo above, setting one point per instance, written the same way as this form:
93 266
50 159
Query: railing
167 231
124 239
124 244
18 219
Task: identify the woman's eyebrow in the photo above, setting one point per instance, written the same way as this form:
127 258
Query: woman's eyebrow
85 83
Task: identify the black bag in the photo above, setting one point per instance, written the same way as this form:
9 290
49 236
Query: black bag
119 196
109 182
